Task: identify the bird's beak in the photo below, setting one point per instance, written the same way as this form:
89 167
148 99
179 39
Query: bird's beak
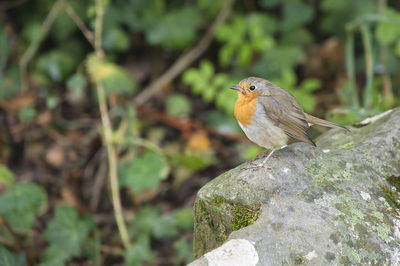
236 88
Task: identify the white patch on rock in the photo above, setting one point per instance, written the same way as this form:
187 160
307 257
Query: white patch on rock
233 252
326 150
396 231
311 255
271 176
286 170
395 259
374 118
365 195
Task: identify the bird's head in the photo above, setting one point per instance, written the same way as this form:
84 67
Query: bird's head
252 87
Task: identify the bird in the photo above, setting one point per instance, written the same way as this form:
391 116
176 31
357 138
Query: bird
270 115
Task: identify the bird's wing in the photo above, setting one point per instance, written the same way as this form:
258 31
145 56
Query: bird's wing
286 113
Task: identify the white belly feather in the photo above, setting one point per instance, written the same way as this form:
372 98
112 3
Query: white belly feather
263 132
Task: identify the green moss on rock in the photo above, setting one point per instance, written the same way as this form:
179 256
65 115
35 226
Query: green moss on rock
218 201
244 215
391 196
299 259
394 181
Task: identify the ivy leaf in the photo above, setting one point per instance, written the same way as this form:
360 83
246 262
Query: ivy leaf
178 105
6 176
176 29
20 204
115 39
145 172
296 13
115 79
9 83
184 218
144 221
66 233
7 258
56 64
165 227
183 251
139 252
387 31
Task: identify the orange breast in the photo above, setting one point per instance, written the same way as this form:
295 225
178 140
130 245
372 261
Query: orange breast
245 107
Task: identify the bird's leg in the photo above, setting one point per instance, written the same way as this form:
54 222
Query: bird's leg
262 164
269 155
266 159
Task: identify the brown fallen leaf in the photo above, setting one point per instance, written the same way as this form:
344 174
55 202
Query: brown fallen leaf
13 105
199 141
55 156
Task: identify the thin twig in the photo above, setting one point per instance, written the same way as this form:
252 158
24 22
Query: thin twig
99 182
33 47
350 68
79 23
369 64
105 118
18 243
384 51
185 59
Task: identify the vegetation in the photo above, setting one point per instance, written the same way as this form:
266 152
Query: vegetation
114 113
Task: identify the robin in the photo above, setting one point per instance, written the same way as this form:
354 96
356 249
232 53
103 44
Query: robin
269 115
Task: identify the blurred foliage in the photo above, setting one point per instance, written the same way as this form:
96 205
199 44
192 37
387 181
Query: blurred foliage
50 153
21 204
66 233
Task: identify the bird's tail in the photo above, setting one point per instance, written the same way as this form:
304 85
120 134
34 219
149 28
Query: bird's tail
318 121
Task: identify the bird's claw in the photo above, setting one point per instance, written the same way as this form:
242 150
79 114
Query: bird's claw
254 166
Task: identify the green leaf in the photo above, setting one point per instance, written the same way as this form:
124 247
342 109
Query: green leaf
54 255
76 85
64 26
184 218
144 220
387 30
7 258
115 79
56 64
116 39
222 122
137 15
295 14
76 82
178 105
5 47
26 113
20 204
6 176
175 30
193 160
397 49
145 172
183 251
66 233
165 227
9 83
139 252
337 13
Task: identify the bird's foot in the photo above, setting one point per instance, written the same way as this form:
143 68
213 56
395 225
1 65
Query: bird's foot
256 166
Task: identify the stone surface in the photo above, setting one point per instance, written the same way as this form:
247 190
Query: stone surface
334 204
232 252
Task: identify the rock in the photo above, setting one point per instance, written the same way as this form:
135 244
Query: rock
336 204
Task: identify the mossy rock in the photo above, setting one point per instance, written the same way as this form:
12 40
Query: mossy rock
336 204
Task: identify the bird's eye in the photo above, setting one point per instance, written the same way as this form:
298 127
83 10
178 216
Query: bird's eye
252 88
